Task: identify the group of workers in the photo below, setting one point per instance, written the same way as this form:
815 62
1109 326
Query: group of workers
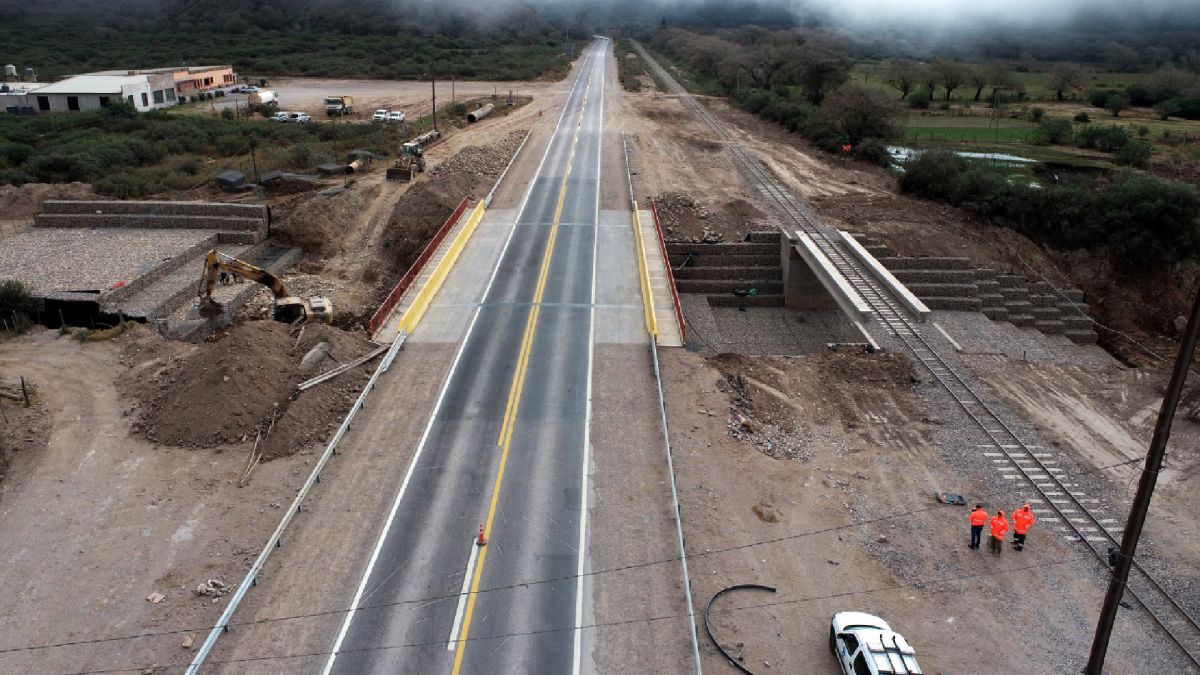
1022 520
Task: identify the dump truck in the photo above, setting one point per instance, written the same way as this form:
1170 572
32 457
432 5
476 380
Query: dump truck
339 105
263 97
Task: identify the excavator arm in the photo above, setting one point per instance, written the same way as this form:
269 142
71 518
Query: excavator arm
288 309
217 262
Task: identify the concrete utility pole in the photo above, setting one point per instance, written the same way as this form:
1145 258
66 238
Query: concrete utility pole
1141 501
433 86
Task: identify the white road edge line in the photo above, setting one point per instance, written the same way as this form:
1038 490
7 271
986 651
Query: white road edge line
462 598
577 647
438 405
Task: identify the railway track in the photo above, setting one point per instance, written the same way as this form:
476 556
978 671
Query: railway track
1092 530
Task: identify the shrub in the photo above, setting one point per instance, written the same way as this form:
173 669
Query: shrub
17 298
1099 97
874 151
1134 153
919 98
1083 118
1107 139
1036 114
1167 108
1142 130
16 154
1139 95
1116 104
228 113
1054 131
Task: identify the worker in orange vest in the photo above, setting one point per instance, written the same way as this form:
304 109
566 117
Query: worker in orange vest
999 529
979 518
1022 521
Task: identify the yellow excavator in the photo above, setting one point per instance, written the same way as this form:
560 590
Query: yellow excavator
288 308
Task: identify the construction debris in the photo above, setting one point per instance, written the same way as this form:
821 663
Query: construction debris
213 588
155 598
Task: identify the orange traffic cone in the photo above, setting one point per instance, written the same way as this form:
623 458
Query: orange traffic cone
481 541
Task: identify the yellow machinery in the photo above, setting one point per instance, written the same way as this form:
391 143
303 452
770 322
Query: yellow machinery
288 308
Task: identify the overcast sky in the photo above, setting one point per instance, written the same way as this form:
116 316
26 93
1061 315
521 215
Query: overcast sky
977 11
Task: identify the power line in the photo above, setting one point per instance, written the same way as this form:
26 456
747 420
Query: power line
527 584
607 624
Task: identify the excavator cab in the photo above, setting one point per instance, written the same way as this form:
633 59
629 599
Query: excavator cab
290 310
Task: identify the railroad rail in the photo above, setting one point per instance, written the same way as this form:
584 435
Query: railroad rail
1180 626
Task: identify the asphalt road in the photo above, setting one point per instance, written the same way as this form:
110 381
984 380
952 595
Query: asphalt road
505 448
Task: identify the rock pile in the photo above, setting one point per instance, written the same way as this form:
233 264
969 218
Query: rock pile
481 160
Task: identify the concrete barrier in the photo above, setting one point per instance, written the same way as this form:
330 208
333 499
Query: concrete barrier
798 283
881 273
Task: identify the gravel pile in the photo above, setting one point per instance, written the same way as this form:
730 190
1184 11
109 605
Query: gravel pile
481 160
678 211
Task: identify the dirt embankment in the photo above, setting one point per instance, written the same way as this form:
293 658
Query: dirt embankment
686 219
225 391
471 172
359 242
26 200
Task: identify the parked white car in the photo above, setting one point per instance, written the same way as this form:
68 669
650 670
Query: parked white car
299 117
380 115
395 116
866 645
279 117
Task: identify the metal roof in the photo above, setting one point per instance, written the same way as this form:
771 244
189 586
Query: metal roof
92 84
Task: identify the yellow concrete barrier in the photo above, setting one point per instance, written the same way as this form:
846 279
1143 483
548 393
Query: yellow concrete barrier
412 316
644 274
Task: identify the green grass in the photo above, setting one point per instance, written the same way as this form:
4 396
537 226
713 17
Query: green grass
63 48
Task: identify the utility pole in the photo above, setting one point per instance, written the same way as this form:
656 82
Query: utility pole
253 159
1141 501
433 86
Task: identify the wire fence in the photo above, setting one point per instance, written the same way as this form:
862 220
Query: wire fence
13 226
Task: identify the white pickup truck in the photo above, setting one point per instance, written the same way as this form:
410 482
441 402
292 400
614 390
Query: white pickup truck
866 645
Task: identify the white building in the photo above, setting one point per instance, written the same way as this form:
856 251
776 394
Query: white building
89 92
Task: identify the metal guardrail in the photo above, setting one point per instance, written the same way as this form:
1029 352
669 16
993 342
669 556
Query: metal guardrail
687 582
421 303
393 298
297 506
662 245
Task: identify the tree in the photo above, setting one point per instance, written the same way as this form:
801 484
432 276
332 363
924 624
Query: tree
904 75
765 64
819 67
1172 83
1121 59
950 75
1062 78
978 78
859 112
1116 104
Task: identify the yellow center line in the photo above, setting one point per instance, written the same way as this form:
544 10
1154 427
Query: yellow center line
518 385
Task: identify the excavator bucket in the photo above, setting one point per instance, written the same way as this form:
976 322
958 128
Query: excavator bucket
210 309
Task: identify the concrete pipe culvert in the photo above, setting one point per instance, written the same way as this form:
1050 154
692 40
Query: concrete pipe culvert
480 113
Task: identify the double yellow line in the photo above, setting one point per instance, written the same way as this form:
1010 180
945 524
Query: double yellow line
518 385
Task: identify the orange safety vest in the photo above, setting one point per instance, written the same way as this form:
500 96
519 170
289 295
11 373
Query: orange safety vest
999 527
1022 521
979 517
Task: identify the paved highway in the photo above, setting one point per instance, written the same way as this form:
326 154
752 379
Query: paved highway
506 447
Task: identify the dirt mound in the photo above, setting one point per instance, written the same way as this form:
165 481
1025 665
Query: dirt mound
418 214
686 219
26 201
223 391
315 222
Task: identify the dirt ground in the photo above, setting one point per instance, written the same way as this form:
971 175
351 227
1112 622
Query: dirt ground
95 518
851 525
1107 416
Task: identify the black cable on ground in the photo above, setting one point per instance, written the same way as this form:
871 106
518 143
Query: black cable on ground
708 629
